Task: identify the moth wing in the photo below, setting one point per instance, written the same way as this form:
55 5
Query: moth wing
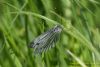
39 38
47 44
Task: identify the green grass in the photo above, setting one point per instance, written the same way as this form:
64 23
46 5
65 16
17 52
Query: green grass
21 21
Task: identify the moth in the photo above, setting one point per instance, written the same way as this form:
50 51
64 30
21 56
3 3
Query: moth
46 40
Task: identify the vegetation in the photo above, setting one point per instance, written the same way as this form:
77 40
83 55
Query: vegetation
21 21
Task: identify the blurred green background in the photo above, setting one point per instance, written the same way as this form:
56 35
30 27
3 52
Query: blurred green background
21 21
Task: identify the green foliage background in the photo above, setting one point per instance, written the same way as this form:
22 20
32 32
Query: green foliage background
21 21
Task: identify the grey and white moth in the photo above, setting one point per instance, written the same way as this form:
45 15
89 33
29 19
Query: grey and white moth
46 40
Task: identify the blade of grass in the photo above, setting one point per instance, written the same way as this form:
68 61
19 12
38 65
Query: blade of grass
70 30
76 58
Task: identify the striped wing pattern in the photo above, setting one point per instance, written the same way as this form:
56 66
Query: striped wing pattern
46 40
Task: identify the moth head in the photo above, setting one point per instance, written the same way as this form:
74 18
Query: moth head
57 28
